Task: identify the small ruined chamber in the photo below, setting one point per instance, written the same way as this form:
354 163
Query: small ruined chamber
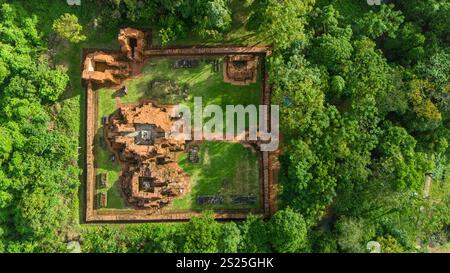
105 68
111 68
141 138
240 69
132 43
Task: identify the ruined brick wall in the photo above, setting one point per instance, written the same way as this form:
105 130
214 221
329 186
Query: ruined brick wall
269 160
194 51
132 43
267 178
90 153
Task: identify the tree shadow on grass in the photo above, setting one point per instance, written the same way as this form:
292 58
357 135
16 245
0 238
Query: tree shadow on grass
216 174
103 154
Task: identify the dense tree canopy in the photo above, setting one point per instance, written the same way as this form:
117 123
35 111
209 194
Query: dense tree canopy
68 28
281 22
288 231
37 177
377 114
175 19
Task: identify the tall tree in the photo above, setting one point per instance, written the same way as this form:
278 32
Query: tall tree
280 22
68 28
288 231
38 177
202 234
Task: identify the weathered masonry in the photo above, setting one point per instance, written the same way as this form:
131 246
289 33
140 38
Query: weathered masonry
138 134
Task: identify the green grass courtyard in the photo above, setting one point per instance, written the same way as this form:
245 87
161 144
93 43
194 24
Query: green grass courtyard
225 169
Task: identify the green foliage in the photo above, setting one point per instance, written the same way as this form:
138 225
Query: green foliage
4 72
323 242
171 28
359 129
166 35
255 236
398 164
337 85
353 234
385 21
407 46
288 231
390 245
209 18
333 51
37 178
105 239
218 17
420 93
6 143
68 28
436 68
230 238
201 235
280 21
175 19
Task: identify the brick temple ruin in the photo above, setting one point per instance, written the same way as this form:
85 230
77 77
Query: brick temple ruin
132 44
240 69
139 135
105 68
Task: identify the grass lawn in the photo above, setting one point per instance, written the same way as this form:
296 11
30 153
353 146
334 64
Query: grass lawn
105 165
224 169
203 82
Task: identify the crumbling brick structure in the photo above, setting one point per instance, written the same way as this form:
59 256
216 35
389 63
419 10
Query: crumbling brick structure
240 69
138 134
105 68
142 140
111 68
132 43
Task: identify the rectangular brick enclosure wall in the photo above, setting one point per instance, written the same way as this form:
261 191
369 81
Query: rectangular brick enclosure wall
267 177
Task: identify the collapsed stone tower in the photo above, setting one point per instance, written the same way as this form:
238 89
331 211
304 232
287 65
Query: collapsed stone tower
132 43
141 138
240 69
105 68
111 68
